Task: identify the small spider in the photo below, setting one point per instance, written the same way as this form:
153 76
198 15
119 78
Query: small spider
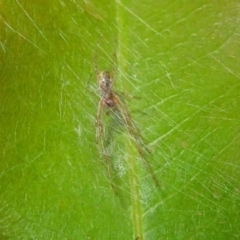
110 102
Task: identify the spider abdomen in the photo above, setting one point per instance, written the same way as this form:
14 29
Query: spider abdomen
109 102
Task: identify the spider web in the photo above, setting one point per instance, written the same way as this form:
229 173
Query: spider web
180 59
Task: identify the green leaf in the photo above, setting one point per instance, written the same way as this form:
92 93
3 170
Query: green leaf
181 58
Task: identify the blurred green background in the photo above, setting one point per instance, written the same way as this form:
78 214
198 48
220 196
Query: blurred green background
181 58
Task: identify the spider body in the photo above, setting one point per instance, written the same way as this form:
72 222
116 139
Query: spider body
105 84
110 100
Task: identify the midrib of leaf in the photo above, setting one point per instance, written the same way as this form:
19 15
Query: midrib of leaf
130 148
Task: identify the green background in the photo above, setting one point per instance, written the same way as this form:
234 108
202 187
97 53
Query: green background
181 58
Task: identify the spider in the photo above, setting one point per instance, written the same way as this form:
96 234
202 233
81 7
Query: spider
110 102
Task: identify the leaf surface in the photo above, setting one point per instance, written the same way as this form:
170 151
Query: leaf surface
181 58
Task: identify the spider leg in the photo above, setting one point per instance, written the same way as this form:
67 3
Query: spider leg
120 94
115 65
100 141
99 129
95 61
132 127
135 134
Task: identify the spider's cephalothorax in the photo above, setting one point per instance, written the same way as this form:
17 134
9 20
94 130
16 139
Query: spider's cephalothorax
105 82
